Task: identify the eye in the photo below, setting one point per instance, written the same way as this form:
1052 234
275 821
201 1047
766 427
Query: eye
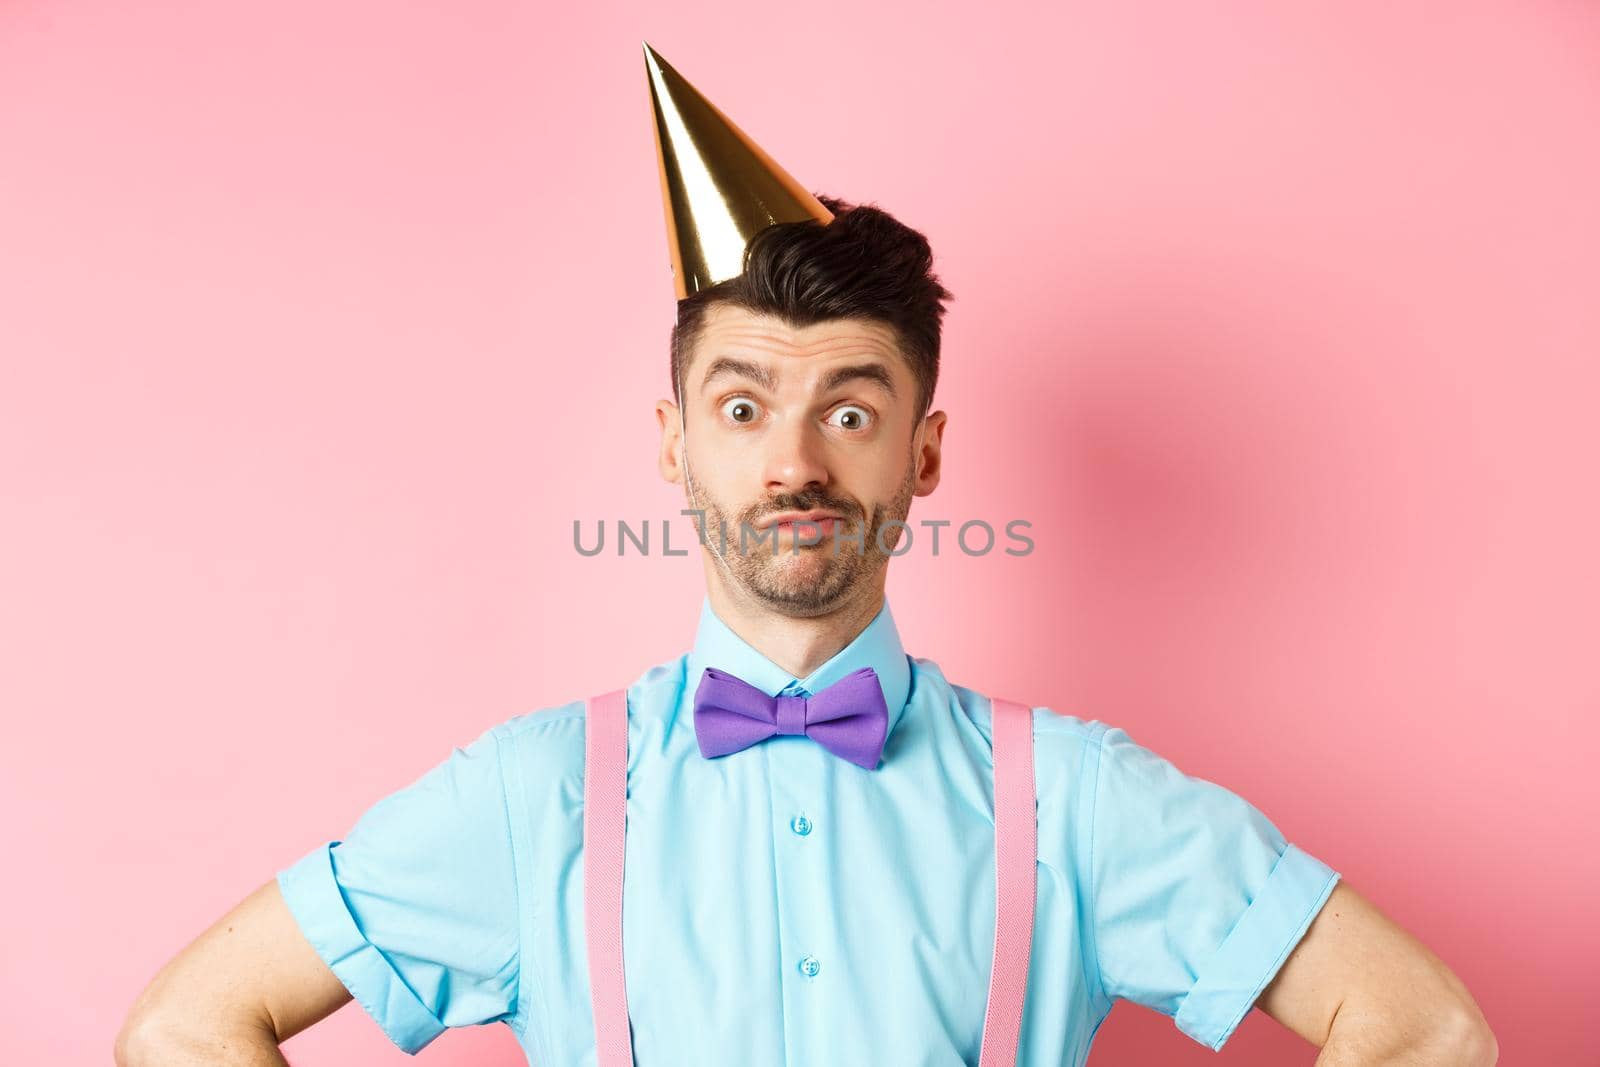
739 409
851 417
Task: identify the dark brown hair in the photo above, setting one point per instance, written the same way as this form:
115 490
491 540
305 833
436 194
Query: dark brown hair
864 264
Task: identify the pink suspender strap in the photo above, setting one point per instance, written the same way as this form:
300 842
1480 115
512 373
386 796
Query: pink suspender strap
1015 855
605 807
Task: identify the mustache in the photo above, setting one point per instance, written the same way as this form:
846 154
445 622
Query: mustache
801 502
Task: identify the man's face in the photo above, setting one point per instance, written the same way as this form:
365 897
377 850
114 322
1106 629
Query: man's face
820 420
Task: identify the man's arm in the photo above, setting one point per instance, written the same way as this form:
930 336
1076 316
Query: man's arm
242 987
1368 993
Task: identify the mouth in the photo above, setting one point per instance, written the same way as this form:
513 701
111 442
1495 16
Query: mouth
826 522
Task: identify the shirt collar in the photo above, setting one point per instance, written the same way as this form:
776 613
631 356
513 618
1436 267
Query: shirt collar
877 646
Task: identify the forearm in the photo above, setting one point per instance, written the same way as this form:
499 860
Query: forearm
1408 1038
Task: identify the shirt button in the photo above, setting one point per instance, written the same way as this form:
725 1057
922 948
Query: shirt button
809 966
800 825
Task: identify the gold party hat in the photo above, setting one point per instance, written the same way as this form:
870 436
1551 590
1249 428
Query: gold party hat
718 187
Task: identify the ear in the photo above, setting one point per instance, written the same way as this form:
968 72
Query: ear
927 456
670 460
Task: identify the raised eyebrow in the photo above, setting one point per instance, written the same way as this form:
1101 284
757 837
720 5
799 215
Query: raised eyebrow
876 373
744 367
871 372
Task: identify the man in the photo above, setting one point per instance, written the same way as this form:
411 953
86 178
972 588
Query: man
812 815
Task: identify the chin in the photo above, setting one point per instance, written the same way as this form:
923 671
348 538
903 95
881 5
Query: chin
806 582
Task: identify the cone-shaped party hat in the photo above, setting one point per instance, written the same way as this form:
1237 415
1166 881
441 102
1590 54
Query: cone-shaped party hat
718 187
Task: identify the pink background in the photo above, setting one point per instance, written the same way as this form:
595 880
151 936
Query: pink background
322 322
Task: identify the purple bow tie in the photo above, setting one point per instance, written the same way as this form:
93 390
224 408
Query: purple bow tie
849 718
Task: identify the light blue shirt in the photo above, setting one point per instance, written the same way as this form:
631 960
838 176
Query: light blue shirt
784 906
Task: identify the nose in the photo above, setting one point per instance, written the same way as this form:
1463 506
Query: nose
794 457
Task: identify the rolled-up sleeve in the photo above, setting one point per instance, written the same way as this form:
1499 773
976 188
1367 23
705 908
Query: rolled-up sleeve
416 909
1196 899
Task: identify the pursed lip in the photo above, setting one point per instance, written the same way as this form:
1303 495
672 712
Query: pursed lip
799 516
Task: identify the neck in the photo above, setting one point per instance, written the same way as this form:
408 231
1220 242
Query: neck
797 643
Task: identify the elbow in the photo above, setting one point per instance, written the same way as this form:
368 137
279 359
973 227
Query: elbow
139 1042
1441 1033
160 1035
1482 1048
150 1041
152 1037
1469 1042
1490 1049
146 1038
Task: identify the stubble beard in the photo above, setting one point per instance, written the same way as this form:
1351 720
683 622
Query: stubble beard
812 579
